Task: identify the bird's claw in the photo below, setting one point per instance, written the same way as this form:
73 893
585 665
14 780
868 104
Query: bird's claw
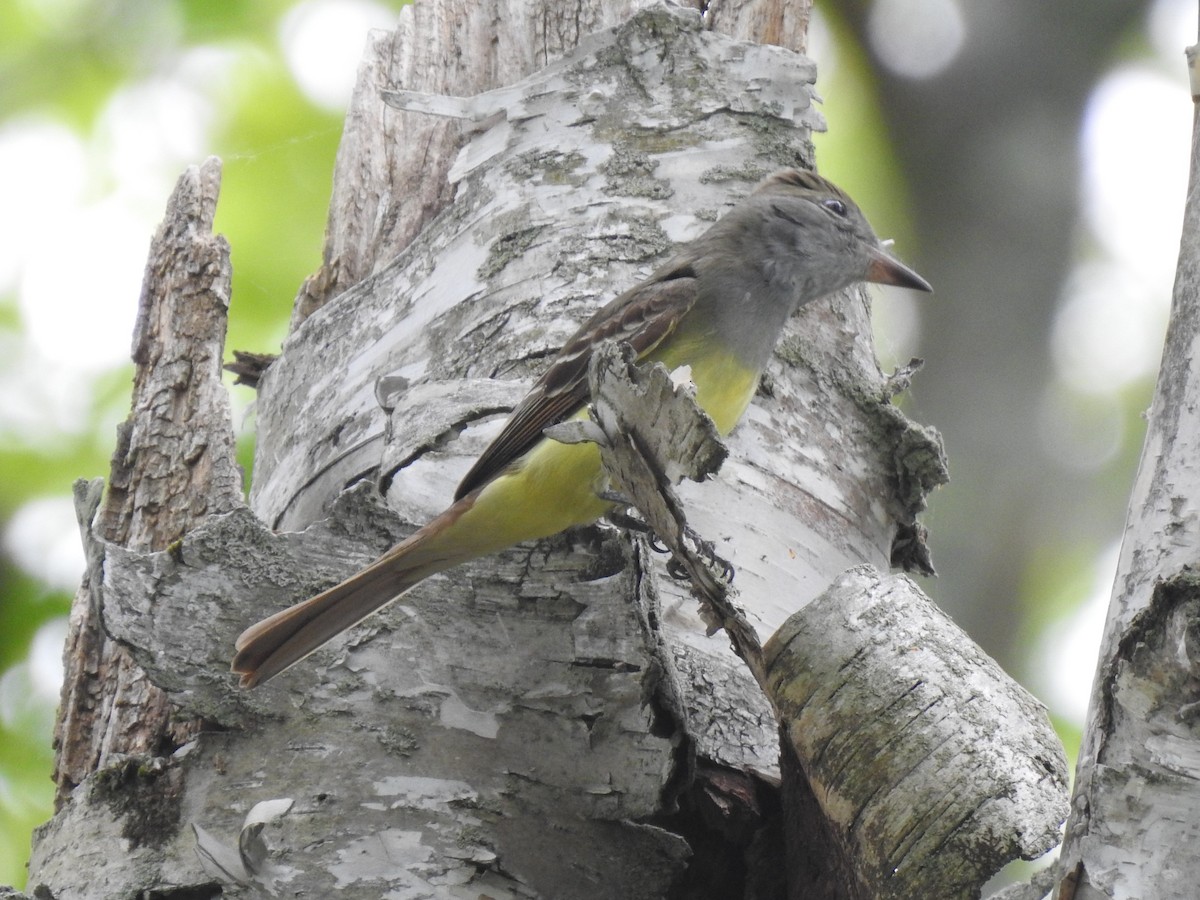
622 519
707 551
625 520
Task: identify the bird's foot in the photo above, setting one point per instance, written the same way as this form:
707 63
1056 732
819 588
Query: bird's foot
707 552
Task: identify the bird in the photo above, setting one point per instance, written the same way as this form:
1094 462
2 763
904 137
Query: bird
717 305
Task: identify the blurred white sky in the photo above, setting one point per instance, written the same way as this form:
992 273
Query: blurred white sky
109 189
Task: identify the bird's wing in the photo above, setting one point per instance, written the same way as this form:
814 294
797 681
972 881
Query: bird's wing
643 316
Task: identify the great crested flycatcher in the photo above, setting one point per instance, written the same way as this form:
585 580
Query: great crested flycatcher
718 305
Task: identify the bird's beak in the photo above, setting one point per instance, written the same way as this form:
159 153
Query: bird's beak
886 269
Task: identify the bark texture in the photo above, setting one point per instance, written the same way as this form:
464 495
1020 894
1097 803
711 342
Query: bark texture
174 464
1133 830
931 767
392 167
173 467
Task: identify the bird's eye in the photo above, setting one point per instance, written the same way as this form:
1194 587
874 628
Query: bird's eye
835 206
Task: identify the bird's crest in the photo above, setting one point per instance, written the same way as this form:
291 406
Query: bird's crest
802 178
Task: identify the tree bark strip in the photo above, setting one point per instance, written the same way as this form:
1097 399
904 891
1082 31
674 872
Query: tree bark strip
174 465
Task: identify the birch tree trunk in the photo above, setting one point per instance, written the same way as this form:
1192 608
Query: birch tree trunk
1134 828
554 721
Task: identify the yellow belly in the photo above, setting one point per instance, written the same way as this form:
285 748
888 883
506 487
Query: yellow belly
724 386
554 486
551 488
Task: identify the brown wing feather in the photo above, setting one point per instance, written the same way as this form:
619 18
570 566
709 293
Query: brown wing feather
643 316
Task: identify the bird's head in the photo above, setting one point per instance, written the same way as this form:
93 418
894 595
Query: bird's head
817 238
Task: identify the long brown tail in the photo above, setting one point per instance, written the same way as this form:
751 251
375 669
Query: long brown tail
267 648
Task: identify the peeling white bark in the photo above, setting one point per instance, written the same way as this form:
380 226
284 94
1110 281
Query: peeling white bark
581 178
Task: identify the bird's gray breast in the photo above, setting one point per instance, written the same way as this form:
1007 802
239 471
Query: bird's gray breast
746 312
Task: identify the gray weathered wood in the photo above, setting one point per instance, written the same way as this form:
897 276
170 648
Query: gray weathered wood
931 765
175 463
